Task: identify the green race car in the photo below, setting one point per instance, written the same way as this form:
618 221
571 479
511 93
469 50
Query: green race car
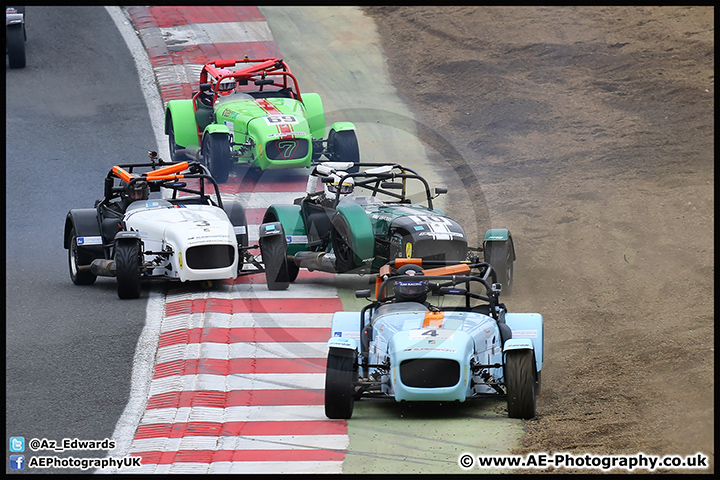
251 111
334 230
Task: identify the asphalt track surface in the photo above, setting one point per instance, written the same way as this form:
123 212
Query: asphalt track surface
434 437
73 112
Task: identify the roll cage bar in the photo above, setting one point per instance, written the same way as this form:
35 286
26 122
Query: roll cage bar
257 71
442 280
382 181
162 175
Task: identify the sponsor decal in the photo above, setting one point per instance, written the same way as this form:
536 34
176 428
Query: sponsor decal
408 250
524 333
296 239
89 241
286 134
241 230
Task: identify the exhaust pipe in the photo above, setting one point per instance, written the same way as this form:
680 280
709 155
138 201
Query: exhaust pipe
325 262
102 267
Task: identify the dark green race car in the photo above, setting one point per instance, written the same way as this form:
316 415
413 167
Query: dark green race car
359 221
251 111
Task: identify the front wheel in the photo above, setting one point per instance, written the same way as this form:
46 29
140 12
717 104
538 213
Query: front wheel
78 276
216 153
16 46
520 384
127 268
343 147
274 255
340 380
500 256
342 243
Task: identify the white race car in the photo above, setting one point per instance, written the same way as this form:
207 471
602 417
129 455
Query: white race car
167 221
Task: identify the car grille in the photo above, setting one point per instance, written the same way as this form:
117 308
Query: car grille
287 149
440 250
430 372
210 256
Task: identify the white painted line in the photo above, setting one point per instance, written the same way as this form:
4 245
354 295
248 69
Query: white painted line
223 383
257 413
260 442
215 33
296 351
317 467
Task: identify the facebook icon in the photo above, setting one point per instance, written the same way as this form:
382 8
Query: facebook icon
17 462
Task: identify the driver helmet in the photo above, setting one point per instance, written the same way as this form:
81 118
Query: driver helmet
138 191
410 290
226 85
341 185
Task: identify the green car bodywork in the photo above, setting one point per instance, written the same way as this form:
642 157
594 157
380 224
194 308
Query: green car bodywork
360 234
264 121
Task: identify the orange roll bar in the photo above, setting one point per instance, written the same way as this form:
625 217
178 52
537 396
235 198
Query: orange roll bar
122 174
162 173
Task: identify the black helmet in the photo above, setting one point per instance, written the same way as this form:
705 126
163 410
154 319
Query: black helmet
138 191
410 290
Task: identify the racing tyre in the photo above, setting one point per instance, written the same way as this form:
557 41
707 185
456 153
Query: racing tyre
340 380
274 255
78 277
500 256
343 147
216 153
127 268
342 243
293 271
520 384
174 147
16 46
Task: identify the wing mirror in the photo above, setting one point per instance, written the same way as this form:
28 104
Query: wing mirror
392 185
440 190
205 87
362 293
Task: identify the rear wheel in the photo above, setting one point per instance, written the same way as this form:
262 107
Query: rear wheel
342 243
500 256
127 268
216 153
520 383
274 255
340 380
343 147
16 46
78 277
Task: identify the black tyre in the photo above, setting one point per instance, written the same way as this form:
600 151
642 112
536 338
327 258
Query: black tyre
78 277
343 147
520 384
274 255
216 153
342 243
293 271
174 147
500 256
340 380
127 268
16 46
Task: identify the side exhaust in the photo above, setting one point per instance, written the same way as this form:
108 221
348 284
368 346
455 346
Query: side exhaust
325 262
102 267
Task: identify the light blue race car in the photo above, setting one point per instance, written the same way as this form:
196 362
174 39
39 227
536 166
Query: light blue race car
403 347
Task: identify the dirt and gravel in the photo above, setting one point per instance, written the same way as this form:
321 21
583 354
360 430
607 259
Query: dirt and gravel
588 132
